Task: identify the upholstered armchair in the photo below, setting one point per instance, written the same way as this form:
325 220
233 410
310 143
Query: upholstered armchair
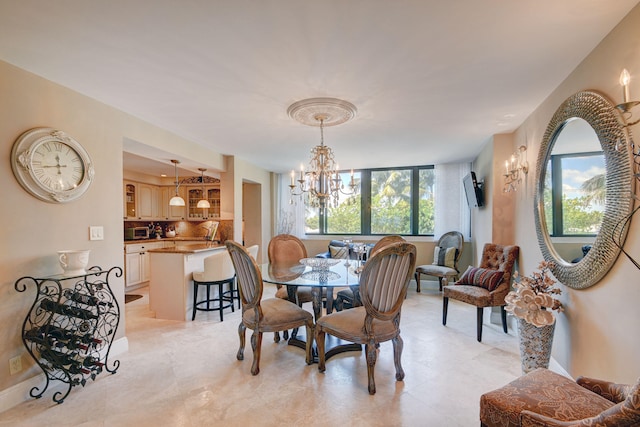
383 288
484 286
445 259
268 315
544 398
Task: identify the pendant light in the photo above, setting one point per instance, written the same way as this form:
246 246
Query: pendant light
176 200
203 203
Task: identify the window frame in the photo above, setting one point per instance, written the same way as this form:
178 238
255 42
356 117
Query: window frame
365 203
557 209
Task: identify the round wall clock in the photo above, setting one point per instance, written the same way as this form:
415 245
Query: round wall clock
51 165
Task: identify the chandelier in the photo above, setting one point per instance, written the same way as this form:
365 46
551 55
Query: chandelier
322 181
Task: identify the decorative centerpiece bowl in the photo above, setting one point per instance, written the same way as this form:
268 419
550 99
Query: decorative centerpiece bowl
319 263
74 262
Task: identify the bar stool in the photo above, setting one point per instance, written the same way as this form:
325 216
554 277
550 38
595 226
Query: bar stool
232 293
218 270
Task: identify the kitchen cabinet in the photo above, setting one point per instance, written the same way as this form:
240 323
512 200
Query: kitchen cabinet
194 194
130 195
140 201
147 202
136 262
172 213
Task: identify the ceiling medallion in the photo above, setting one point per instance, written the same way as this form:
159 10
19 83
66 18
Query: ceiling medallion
322 181
333 111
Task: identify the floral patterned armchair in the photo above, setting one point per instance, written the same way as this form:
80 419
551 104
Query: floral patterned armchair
544 398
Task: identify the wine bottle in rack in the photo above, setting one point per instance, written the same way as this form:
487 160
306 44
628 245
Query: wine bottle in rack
67 310
81 298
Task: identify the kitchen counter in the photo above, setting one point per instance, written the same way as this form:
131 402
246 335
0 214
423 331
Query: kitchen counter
167 239
171 278
192 248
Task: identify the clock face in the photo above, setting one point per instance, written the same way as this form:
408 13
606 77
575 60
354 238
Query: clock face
56 166
51 165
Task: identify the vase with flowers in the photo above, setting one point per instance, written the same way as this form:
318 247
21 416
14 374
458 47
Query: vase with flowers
532 301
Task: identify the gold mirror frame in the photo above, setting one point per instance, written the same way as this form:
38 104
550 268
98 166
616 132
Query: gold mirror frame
600 113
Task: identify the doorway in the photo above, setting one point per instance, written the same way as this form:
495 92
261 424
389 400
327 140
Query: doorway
251 214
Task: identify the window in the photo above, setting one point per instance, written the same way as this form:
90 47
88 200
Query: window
574 194
389 201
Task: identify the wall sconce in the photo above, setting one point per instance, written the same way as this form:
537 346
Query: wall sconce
627 122
514 169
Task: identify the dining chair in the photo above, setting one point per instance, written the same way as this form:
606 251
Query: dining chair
268 315
383 288
232 294
484 286
445 259
349 297
285 249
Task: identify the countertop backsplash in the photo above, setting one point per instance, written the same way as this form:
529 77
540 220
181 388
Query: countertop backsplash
184 229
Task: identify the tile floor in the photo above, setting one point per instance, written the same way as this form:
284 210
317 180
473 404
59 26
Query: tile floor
186 374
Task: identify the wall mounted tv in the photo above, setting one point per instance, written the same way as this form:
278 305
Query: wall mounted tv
473 190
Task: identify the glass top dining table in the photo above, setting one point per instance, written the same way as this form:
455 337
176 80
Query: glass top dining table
341 274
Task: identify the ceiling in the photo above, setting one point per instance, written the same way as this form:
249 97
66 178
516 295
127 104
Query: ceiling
432 80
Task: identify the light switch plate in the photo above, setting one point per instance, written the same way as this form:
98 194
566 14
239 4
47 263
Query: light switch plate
96 232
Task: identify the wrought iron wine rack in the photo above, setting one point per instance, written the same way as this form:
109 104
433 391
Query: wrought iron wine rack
69 329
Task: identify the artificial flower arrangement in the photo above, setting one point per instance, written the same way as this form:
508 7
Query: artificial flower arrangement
532 298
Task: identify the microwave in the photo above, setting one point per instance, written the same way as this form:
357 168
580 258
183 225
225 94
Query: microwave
136 233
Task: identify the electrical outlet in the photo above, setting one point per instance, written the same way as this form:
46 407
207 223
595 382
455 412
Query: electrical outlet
15 365
96 232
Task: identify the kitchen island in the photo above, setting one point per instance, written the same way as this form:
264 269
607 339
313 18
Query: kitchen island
171 281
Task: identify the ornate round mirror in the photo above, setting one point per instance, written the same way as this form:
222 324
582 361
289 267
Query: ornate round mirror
595 110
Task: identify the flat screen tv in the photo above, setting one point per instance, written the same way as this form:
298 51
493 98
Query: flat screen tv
473 190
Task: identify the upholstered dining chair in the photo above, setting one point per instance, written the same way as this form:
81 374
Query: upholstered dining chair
232 294
285 249
268 315
484 286
445 259
349 297
383 287
544 398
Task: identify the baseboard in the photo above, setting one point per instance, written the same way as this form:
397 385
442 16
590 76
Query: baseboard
19 393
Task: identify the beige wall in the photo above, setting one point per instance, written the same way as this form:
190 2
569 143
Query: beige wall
596 336
244 172
33 230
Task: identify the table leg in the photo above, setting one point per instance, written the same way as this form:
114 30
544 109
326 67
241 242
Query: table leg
316 300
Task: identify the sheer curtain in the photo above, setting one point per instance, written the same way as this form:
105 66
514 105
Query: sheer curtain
289 209
451 210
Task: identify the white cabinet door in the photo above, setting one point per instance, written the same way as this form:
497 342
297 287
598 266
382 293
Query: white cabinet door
132 269
145 202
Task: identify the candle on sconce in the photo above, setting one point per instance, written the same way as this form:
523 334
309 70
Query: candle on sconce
301 172
292 178
625 78
506 166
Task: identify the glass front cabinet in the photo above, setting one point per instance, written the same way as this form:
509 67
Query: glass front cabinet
194 194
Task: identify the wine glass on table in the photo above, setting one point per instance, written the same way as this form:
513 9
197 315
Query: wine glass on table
347 244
